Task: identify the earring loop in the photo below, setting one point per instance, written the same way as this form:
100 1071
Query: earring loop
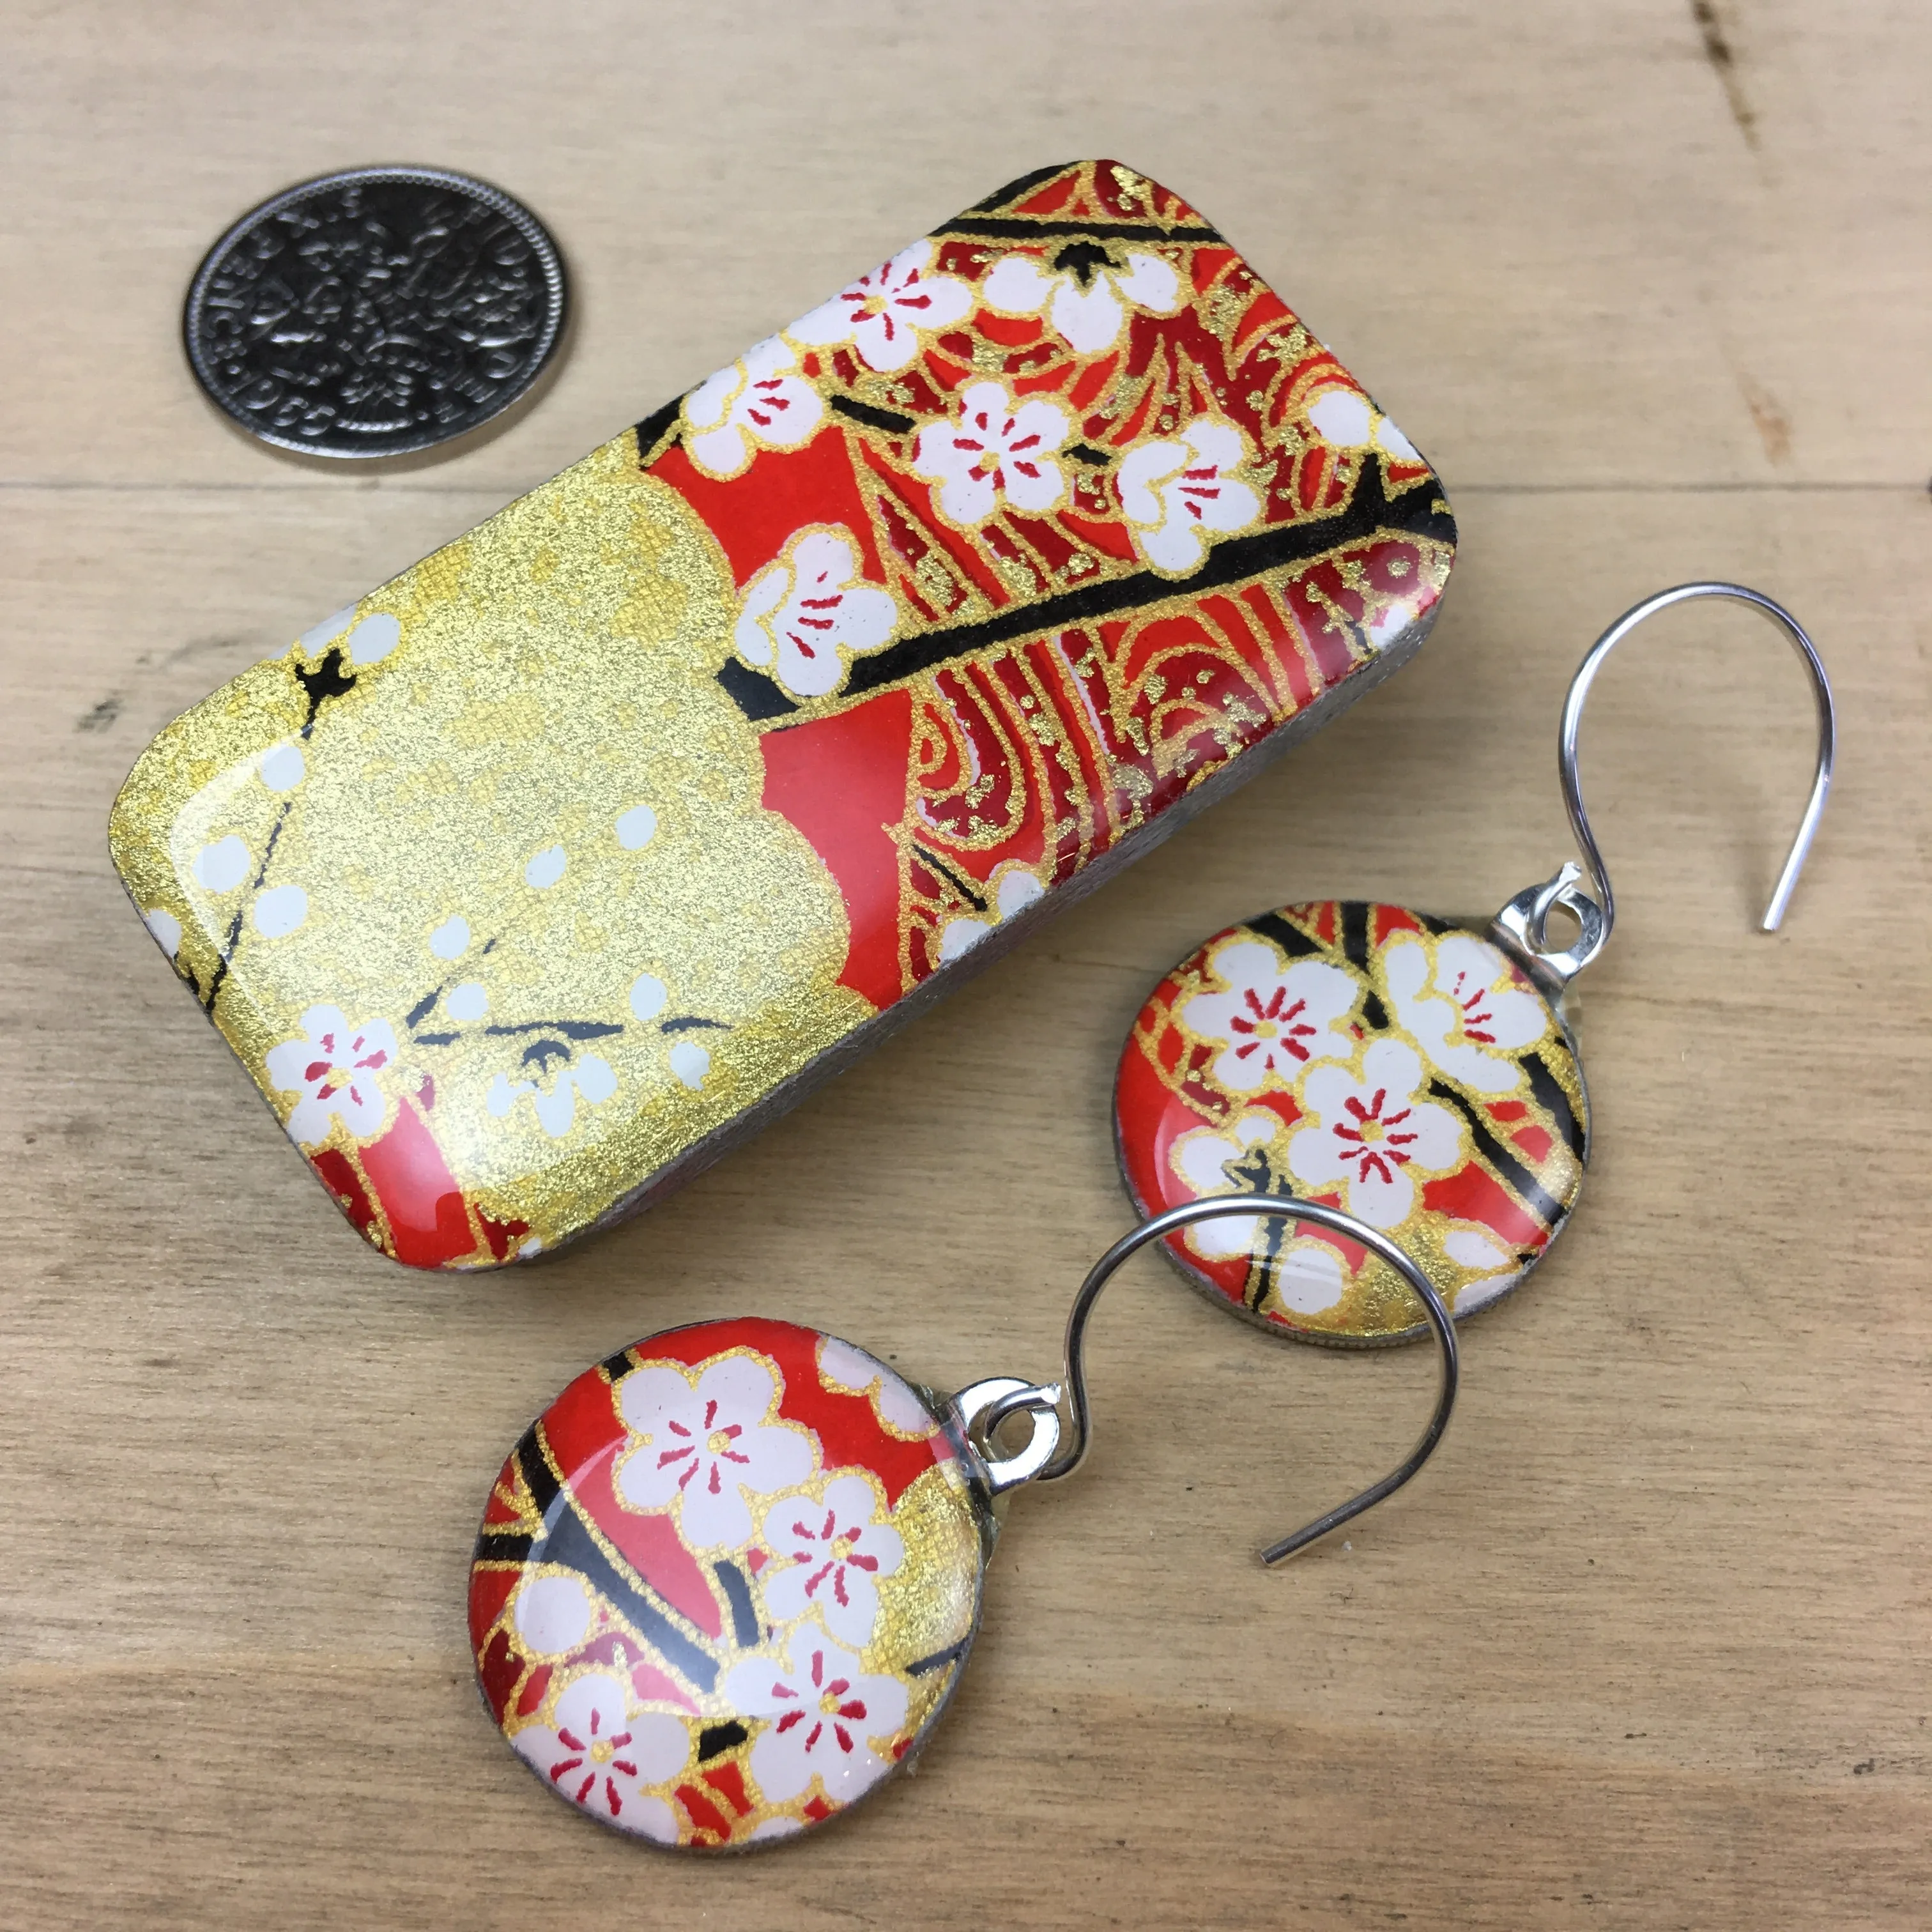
1522 921
1075 1430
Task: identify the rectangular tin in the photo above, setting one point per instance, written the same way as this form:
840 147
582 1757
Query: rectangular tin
576 852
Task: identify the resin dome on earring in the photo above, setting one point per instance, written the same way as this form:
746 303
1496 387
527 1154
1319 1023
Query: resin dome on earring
1416 1072
726 1583
1396 1066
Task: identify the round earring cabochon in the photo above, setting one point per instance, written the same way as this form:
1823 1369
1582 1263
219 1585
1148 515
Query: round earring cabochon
725 1583
1398 1067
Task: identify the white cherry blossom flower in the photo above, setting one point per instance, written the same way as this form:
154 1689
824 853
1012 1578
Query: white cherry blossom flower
996 450
883 315
842 1367
1083 294
1347 419
602 1756
824 1711
1476 1014
467 1003
280 911
1202 1159
689 1063
334 1067
283 767
1014 888
368 643
636 828
834 1553
554 1613
165 929
809 611
1309 1276
760 402
1493 1269
1373 1135
1382 631
450 940
223 865
1179 494
701 1447
1275 1020
591 1079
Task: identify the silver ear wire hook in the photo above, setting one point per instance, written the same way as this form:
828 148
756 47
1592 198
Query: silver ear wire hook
1522 924
980 1409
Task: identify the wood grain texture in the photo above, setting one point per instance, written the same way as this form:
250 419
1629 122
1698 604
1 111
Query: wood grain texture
1648 1645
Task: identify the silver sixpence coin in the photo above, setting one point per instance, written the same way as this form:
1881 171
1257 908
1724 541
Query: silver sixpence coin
377 312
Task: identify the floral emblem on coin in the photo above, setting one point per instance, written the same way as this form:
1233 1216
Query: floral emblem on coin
375 311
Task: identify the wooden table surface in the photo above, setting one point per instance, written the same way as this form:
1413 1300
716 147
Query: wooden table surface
1647 1645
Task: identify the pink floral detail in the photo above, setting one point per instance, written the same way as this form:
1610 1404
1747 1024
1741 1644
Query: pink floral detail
836 1552
823 1712
1494 1270
844 1367
995 450
700 1448
602 1756
883 315
758 402
1014 887
1369 1133
1476 1014
1274 1019
334 1068
1087 299
1348 420
1203 1158
1179 495
809 611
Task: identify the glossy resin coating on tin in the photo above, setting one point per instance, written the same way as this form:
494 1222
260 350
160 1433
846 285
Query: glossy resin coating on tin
726 1583
1396 1066
527 883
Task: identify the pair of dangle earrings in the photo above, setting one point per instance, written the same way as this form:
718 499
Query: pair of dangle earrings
726 1583
1421 1072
